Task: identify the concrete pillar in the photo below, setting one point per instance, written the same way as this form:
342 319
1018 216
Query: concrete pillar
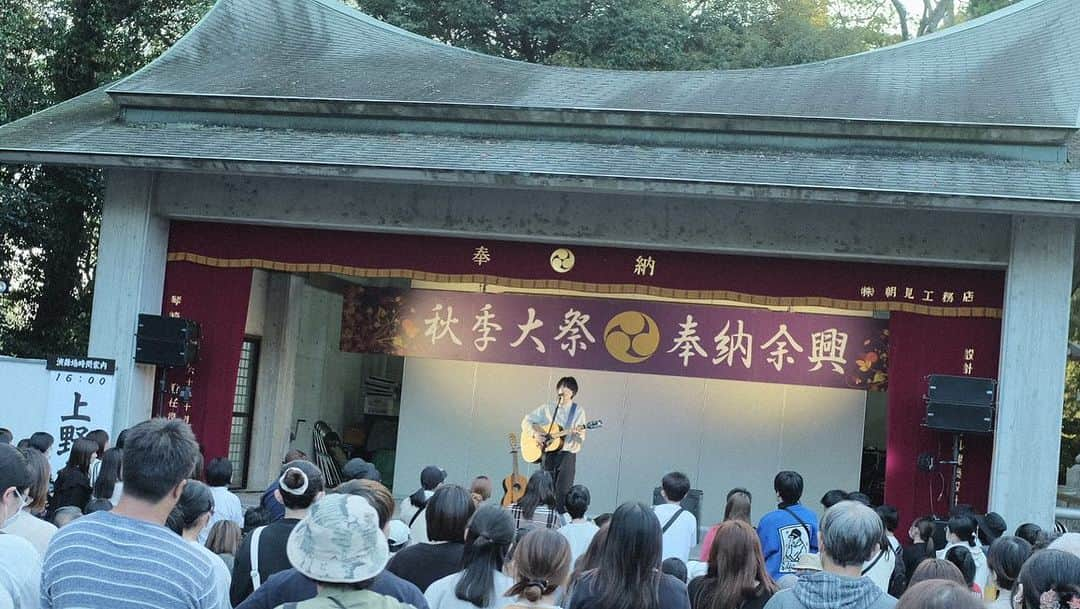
1034 339
129 280
275 389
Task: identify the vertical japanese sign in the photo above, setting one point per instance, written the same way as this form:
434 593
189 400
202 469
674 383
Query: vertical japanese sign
82 393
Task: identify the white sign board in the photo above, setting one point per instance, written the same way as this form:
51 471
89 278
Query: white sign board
81 396
24 386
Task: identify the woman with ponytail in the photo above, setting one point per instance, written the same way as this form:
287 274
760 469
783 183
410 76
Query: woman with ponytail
481 585
541 566
961 532
187 519
263 551
412 507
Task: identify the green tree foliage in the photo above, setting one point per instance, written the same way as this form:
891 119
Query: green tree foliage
636 34
1070 422
50 51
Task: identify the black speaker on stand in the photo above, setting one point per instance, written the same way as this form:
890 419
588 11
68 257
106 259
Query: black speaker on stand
167 342
960 405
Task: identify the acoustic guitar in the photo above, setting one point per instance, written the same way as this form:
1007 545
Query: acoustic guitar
514 484
533 450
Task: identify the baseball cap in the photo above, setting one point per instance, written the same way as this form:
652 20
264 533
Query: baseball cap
398 536
358 469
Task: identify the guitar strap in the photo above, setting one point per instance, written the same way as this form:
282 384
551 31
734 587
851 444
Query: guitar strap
570 418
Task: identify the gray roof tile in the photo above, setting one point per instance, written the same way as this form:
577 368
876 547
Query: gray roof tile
85 130
1017 66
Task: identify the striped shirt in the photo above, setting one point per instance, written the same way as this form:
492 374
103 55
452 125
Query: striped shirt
109 561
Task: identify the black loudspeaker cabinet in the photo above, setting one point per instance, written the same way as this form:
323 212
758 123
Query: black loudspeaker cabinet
691 503
971 390
940 526
166 341
961 418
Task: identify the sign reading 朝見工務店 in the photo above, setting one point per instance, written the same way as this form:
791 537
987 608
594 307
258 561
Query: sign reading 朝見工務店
620 335
81 398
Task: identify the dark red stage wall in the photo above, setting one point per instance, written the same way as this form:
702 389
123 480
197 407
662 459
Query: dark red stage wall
217 298
921 345
943 320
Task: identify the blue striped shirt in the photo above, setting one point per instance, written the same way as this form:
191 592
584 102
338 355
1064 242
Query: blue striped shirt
109 561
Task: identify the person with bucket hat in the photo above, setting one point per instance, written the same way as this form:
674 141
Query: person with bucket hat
341 547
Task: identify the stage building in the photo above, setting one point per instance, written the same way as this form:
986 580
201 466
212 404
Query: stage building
746 271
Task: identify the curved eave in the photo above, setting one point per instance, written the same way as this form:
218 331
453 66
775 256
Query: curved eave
1015 67
849 127
614 184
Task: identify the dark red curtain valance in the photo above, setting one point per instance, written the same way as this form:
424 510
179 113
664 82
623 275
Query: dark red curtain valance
944 292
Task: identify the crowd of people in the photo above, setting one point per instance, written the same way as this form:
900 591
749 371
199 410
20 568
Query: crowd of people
146 523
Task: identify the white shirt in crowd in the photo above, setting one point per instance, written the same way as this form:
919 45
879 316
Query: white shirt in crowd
35 530
222 576
580 535
408 510
681 536
226 507
20 573
440 594
881 569
982 570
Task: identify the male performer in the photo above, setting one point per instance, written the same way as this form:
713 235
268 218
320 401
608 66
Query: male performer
567 414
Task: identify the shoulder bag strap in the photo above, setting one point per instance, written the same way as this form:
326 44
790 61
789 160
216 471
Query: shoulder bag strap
809 533
672 520
551 518
336 602
256 579
874 564
417 515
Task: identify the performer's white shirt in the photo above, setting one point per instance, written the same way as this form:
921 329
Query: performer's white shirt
542 416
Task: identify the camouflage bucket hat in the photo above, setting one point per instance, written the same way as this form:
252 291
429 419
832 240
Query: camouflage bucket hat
339 541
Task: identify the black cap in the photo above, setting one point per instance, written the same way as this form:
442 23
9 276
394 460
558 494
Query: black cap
358 469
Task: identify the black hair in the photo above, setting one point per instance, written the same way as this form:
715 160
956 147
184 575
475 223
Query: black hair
487 540
1006 557
42 441
889 516
448 513
676 485
578 499
926 528
195 501
628 570
98 505
430 479
1050 570
569 382
962 558
101 438
110 473
963 526
539 491
300 483
24 443
5 436
158 455
255 517
833 497
738 489
602 519
14 471
120 438
961 509
37 466
219 472
82 452
675 568
1032 533
789 485
862 498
